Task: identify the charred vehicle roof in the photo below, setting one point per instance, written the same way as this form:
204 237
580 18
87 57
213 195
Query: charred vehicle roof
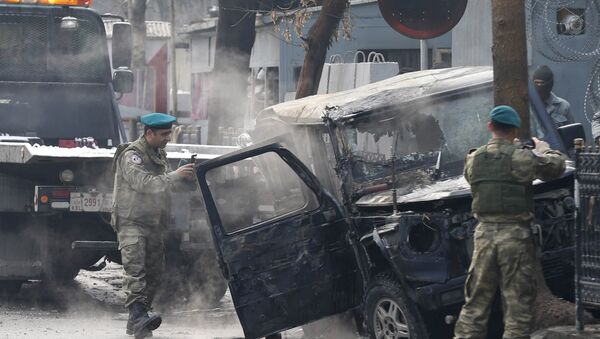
425 121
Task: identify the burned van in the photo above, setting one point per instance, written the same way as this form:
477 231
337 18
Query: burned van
356 201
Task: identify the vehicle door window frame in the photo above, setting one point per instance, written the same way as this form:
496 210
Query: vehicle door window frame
311 195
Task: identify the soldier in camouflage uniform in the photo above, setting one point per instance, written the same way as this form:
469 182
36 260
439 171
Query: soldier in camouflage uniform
140 212
501 175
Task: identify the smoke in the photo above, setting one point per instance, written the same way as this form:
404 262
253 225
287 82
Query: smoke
340 326
228 102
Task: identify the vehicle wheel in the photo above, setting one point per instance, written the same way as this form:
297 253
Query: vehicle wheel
62 273
389 313
9 288
210 282
199 282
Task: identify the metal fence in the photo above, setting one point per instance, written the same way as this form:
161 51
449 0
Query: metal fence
587 232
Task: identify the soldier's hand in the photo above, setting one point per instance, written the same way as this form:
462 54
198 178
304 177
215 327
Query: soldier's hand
186 171
540 145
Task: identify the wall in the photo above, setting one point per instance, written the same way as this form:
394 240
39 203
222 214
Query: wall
472 37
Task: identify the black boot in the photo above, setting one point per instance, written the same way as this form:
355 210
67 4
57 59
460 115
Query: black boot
143 325
129 330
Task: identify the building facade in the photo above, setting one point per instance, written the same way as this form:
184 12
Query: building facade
276 62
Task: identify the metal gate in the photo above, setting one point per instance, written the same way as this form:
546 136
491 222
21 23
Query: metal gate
587 232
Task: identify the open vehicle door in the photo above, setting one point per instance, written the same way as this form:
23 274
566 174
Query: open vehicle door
282 240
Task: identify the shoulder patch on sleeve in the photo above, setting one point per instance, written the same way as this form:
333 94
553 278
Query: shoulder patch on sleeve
472 150
135 158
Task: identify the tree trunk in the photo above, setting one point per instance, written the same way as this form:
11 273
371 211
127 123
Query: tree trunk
137 17
318 41
510 88
509 52
550 311
227 99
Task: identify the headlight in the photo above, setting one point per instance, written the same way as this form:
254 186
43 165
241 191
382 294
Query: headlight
67 176
69 23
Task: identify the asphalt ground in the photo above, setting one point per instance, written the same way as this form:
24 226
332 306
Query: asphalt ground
90 307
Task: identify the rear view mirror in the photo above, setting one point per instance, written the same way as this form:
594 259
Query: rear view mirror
123 80
121 45
569 133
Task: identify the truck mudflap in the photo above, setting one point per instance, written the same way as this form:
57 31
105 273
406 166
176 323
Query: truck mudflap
71 199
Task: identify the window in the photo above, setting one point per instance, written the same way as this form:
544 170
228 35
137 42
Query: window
255 190
34 48
418 135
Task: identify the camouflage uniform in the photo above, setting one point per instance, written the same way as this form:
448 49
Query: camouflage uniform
504 254
140 212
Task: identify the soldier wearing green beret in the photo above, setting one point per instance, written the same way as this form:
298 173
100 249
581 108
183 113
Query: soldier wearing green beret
140 211
501 174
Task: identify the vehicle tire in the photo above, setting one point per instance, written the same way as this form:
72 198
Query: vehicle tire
62 272
186 279
8 288
389 313
210 282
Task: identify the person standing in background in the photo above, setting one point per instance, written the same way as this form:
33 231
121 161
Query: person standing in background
558 108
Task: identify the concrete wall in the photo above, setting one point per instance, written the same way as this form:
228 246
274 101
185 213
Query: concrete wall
472 37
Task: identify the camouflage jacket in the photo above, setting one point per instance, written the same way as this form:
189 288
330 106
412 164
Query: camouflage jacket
143 180
526 167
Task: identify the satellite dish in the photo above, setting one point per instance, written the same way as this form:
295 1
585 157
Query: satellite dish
422 19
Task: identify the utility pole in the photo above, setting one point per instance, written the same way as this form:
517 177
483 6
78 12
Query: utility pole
424 54
509 52
173 62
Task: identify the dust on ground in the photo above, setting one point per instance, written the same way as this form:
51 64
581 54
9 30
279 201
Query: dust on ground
90 307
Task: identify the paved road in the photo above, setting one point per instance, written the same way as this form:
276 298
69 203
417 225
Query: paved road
89 308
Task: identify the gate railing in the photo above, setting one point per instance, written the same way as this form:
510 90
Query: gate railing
587 232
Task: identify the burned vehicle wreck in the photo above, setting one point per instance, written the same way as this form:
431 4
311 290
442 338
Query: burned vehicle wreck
356 201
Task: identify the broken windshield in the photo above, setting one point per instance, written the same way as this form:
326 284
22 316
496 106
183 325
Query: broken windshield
426 138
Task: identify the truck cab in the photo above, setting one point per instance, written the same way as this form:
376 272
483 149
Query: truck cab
356 201
60 119
60 123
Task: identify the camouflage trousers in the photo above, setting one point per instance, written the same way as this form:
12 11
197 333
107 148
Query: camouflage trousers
504 257
142 253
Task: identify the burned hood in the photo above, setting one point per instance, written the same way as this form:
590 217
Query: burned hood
456 187
453 188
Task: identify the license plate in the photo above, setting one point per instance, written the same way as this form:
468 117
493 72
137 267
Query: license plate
90 202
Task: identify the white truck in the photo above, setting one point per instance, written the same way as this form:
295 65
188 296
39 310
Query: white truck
59 123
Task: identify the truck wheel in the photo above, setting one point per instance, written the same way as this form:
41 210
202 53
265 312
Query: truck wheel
389 313
9 288
62 273
210 282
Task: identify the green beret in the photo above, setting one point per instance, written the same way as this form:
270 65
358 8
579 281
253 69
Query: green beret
506 115
158 120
